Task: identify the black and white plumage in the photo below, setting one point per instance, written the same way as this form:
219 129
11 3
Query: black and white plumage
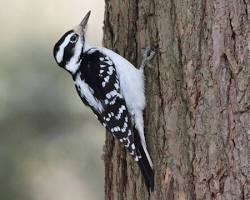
112 87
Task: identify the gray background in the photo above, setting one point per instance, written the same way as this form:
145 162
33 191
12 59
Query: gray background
51 144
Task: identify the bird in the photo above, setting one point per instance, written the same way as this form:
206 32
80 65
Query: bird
112 88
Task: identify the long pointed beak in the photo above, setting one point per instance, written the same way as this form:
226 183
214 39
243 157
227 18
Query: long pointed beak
85 20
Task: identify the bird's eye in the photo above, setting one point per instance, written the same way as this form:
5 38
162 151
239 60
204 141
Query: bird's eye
74 38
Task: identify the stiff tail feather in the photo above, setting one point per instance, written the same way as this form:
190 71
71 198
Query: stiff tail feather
144 163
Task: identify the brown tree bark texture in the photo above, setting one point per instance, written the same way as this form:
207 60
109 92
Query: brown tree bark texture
197 118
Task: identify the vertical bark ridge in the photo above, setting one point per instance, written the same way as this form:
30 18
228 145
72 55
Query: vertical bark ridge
198 98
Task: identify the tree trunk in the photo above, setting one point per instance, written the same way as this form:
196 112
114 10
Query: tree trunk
197 118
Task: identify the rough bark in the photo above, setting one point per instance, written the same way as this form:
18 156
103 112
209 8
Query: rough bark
197 119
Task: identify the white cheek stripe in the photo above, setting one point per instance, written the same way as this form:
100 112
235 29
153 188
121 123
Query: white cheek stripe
59 55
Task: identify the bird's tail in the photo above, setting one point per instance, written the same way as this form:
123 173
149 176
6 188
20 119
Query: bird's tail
144 163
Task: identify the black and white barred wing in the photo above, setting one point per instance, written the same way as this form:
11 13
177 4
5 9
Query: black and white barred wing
119 125
116 119
106 88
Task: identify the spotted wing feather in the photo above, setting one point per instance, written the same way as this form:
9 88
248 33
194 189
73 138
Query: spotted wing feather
99 73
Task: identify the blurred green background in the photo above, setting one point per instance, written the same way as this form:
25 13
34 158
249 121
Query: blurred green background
50 144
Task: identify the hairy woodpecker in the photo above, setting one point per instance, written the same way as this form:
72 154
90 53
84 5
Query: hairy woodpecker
112 87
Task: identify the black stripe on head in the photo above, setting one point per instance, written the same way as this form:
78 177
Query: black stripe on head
68 53
58 44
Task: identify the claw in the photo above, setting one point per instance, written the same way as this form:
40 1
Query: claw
147 56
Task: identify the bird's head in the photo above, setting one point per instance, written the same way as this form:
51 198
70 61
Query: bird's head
68 50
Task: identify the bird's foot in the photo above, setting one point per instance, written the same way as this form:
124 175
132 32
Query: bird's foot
148 54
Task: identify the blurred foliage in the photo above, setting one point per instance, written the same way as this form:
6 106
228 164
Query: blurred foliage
51 144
